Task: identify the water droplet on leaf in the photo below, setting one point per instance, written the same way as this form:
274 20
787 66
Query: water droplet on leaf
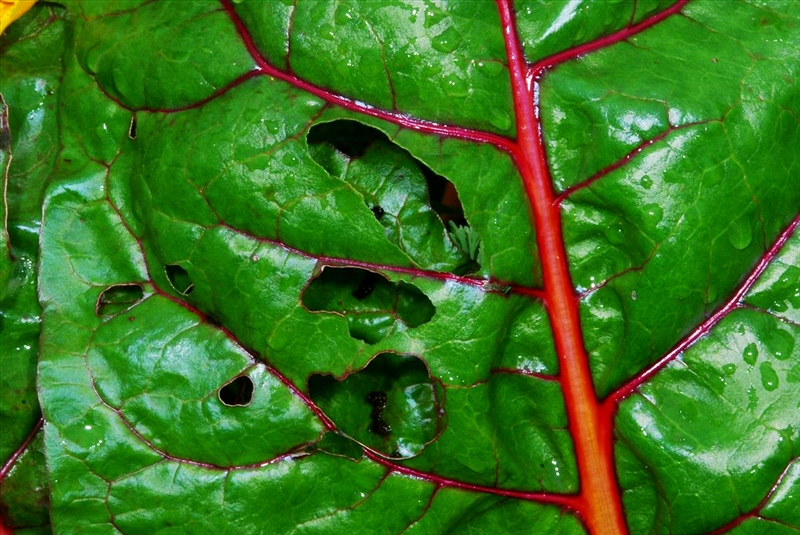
289 159
490 69
433 16
740 233
455 86
750 354
342 14
752 398
779 305
500 119
769 377
787 278
646 182
653 214
327 31
729 369
780 343
447 41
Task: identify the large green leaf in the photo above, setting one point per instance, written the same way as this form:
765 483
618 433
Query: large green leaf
265 311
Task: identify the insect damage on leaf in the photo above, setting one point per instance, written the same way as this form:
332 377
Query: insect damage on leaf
237 393
118 298
373 306
345 217
391 388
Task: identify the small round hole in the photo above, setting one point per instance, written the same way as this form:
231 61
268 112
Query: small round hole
237 393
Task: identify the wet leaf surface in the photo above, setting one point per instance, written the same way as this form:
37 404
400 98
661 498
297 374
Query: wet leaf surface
399 267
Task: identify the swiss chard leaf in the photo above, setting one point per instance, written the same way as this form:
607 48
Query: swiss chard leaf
255 317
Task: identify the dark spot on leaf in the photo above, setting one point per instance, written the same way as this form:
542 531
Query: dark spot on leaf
211 320
378 211
373 306
380 428
117 298
237 393
132 130
377 399
179 279
378 424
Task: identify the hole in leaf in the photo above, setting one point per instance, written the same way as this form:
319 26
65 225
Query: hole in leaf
118 298
179 279
411 201
237 393
374 306
393 406
378 211
348 137
132 130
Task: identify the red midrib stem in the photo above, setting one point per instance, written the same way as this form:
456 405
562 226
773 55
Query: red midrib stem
589 426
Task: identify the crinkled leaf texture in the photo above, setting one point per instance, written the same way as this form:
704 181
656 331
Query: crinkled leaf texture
262 314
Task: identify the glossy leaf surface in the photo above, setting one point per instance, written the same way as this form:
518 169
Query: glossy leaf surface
406 267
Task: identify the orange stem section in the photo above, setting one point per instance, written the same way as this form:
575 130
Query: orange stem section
589 425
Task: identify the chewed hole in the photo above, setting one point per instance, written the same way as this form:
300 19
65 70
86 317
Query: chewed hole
179 279
413 203
237 393
350 140
374 306
118 298
348 137
393 405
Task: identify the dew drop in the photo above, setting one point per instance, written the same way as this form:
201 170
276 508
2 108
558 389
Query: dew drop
447 41
729 369
769 377
433 16
490 69
327 31
780 343
653 214
431 69
740 233
752 398
750 354
779 305
342 14
646 182
289 159
455 86
500 119
787 278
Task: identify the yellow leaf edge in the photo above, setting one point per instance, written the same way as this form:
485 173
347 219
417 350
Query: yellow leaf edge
11 10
